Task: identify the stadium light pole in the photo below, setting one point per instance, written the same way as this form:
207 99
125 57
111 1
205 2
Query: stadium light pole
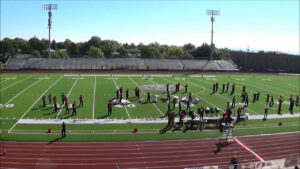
49 7
212 13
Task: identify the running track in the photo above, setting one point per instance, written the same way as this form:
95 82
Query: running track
148 154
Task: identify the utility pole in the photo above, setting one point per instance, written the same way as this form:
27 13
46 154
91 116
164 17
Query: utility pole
49 7
212 13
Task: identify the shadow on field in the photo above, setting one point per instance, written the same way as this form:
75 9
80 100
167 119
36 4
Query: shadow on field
55 140
102 117
47 108
38 107
46 114
164 130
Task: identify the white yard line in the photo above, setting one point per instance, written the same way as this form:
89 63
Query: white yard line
269 86
255 86
198 96
4 80
34 104
67 96
15 84
94 98
123 105
145 93
20 93
220 95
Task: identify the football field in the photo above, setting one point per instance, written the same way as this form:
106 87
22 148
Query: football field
21 98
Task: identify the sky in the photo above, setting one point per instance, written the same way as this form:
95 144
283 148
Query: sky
269 25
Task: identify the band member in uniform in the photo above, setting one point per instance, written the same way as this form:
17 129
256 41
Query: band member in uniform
188 108
55 104
233 102
117 93
190 96
223 88
135 91
257 96
266 111
168 96
62 99
200 112
291 106
268 98
80 101
148 97
254 97
174 102
127 93
181 117
138 93
214 88
169 106
63 129
297 100
109 107
227 86
44 100
74 106
271 101
246 99
179 106
185 88
217 86
291 97
49 98
167 87
67 105
232 89
121 97
121 90
280 101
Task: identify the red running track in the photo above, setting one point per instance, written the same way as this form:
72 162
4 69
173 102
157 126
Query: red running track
149 154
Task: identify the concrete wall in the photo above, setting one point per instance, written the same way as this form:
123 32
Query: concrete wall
266 62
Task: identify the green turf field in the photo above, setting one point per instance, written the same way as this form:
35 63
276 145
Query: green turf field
21 99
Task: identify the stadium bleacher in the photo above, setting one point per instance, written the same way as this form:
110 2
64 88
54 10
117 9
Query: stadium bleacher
119 63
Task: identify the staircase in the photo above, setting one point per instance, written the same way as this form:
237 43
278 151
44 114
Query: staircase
227 134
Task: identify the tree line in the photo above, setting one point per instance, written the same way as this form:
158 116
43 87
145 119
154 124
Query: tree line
95 47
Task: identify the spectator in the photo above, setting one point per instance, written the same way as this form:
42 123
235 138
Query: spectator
234 162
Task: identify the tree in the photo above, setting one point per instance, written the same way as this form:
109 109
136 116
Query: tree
108 47
188 47
68 43
175 52
53 45
21 45
36 44
61 45
73 49
36 53
95 52
202 51
94 41
60 54
123 51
